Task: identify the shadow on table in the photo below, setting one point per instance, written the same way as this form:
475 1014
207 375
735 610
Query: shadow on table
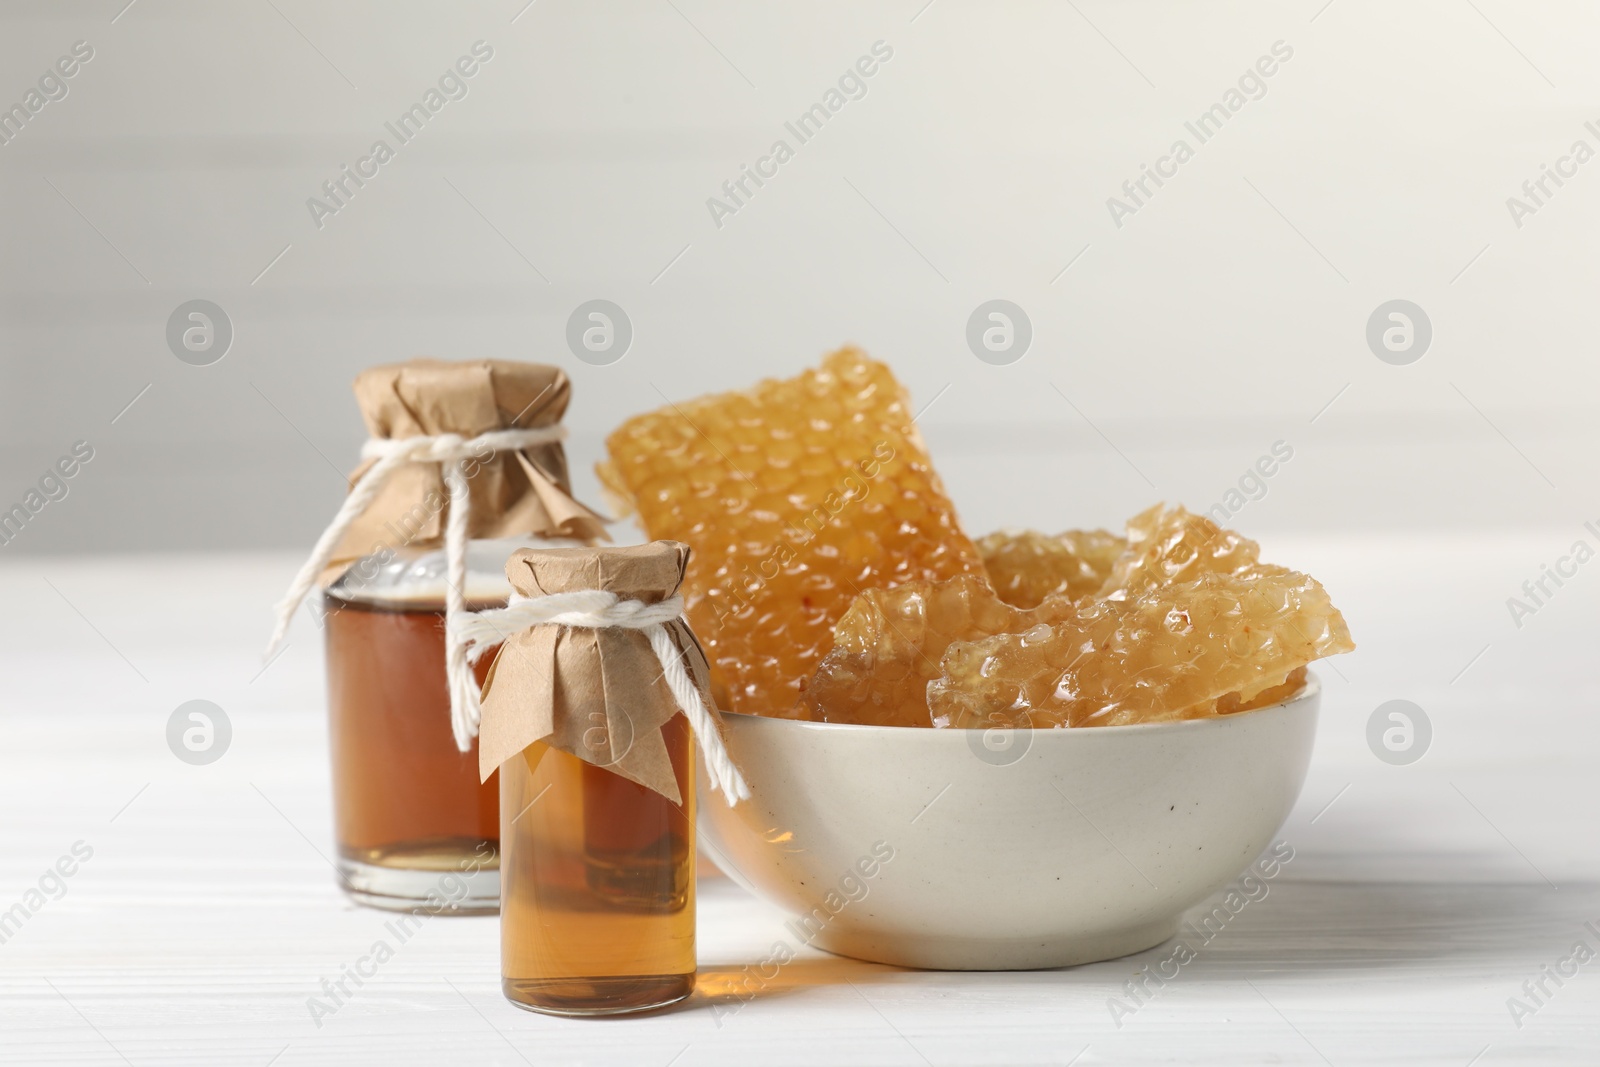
1301 929
727 987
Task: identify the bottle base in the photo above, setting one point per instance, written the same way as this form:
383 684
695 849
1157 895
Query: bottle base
584 997
431 891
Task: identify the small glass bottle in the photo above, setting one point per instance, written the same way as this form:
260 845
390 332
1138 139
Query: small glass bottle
598 883
596 757
414 827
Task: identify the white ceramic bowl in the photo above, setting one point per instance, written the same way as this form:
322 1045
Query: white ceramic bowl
1002 850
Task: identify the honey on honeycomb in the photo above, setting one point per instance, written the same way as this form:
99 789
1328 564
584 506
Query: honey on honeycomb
1213 645
1168 546
887 647
796 496
1026 567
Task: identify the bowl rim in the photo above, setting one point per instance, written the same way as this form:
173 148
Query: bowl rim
1309 691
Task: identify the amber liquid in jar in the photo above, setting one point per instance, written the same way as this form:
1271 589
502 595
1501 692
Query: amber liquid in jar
415 828
597 903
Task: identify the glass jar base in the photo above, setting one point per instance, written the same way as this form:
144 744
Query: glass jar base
579 997
434 892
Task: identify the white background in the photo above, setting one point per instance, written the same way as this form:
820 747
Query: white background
1193 337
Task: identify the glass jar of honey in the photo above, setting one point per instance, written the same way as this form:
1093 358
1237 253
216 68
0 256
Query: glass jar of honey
463 464
414 827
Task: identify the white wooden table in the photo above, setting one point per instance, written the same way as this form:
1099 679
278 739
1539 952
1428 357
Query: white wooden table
1420 898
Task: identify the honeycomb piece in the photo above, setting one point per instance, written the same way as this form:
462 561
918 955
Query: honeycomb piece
1169 546
1213 645
1232 703
888 646
796 495
1026 567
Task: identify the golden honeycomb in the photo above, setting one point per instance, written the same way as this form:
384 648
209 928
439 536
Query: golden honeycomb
1182 621
1168 546
1208 646
1026 567
797 495
887 647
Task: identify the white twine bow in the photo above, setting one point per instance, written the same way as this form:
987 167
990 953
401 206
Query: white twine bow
474 632
451 451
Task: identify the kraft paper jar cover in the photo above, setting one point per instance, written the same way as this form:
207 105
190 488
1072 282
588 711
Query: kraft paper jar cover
513 494
597 694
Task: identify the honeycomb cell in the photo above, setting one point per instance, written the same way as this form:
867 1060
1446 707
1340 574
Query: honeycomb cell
1026 567
796 495
1169 546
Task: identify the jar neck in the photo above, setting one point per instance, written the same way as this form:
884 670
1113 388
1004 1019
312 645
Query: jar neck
414 577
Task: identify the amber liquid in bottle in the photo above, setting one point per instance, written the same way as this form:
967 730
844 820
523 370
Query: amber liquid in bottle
415 827
597 884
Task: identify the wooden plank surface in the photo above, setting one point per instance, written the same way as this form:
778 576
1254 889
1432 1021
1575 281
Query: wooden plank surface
1420 898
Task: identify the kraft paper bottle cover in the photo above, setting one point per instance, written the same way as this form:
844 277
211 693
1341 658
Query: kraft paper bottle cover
514 493
597 694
